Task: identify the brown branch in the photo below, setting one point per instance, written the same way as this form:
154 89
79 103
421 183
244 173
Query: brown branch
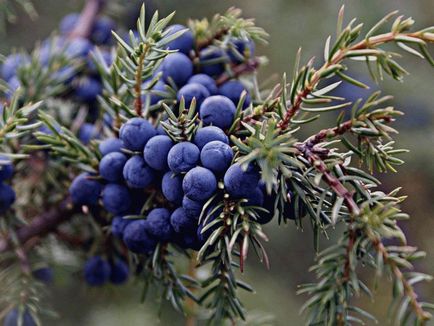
238 70
207 42
87 18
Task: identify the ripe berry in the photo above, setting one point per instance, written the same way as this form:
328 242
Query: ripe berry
110 145
102 30
136 133
68 23
241 49
255 198
181 223
295 208
137 238
116 198
178 67
6 168
96 271
13 317
193 90
119 272
85 191
212 61
183 43
87 132
156 151
159 224
191 207
155 94
78 47
206 81
188 240
208 134
87 89
218 111
199 184
171 186
183 157
137 173
216 156
232 90
43 274
239 183
12 63
112 165
118 226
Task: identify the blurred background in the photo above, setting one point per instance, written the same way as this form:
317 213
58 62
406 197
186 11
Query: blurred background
291 24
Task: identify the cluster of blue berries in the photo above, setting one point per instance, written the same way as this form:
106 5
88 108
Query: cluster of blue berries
98 271
7 194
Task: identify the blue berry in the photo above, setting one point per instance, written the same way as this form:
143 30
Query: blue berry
218 111
171 186
118 226
156 151
188 240
241 49
159 224
232 90
161 131
96 271
137 238
7 197
183 157
255 198
13 317
136 133
85 191
192 208
107 57
208 134
295 208
6 168
13 84
199 184
102 30
239 183
78 47
12 63
212 61
116 198
193 90
110 145
183 43
178 67
43 274
156 93
268 204
216 156
119 272
112 165
87 89
206 81
181 223
137 173
68 23
87 132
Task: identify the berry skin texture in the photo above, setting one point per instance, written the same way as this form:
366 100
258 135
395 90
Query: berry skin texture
199 184
210 54
218 111
160 86
232 90
137 173
136 133
171 187
181 223
11 65
87 89
156 151
239 183
193 90
11 319
183 43
159 224
118 226
6 168
178 67
87 132
119 272
85 191
183 157
116 198
208 134
137 238
192 208
110 145
96 271
216 156
206 81
111 166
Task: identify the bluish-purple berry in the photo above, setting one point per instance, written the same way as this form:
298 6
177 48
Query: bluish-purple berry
137 173
232 90
171 186
216 156
240 49
87 89
239 183
7 197
192 208
111 166
119 272
116 198
43 274
12 63
96 271
181 223
218 111
159 226
136 133
206 81
156 151
84 190
178 67
193 90
12 318
157 93
207 134
183 157
68 23
137 239
199 184
110 145
183 43
118 226
87 132
6 168
212 61
102 31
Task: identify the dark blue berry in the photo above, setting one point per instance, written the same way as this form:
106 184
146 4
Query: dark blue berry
207 134
111 166
181 223
43 274
96 271
183 43
136 133
240 49
119 272
157 93
87 89
188 240
137 238
116 198
232 90
78 47
6 168
239 183
171 187
7 197
137 173
255 198
12 318
183 157
110 145
218 111
192 208
88 132
118 226
212 61
206 81
102 30
199 184
12 63
159 226
68 23
156 151
178 67
193 90
216 156
85 191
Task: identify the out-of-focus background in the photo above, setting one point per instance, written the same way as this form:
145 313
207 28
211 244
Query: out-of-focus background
291 24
